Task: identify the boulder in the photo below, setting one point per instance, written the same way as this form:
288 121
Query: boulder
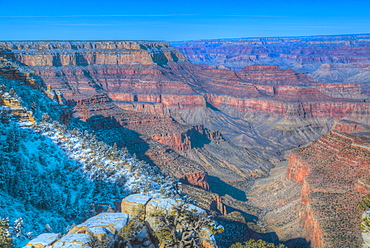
43 240
132 204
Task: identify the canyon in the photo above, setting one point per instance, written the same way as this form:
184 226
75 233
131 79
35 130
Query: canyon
331 58
222 116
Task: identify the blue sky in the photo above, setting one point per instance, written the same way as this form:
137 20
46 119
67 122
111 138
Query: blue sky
179 20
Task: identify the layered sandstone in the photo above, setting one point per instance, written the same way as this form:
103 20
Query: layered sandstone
94 232
61 53
273 75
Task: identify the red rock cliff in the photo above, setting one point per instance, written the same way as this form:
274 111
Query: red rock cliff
333 170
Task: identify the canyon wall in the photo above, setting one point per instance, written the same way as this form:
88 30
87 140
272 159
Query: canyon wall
333 171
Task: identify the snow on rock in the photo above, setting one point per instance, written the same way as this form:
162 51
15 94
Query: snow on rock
133 203
160 204
138 198
73 241
110 221
99 233
45 239
102 162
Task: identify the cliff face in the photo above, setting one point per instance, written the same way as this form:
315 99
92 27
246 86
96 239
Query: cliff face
62 53
126 71
333 172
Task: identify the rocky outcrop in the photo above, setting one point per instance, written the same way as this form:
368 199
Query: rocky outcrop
14 110
346 126
218 206
198 179
134 204
100 230
15 71
109 222
43 240
342 90
297 170
327 107
333 172
74 240
194 137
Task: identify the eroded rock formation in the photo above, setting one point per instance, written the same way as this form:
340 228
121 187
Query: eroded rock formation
198 179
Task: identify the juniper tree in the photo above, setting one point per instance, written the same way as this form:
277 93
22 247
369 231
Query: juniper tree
4 116
5 239
257 244
45 118
12 93
33 106
181 227
364 204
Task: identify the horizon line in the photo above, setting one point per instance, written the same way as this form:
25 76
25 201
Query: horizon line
173 41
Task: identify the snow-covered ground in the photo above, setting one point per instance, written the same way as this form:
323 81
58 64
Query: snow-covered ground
52 176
